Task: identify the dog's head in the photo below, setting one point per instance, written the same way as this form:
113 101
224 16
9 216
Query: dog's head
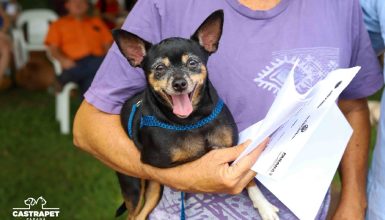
175 68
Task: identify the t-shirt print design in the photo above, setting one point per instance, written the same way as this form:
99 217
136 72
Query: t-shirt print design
208 206
314 64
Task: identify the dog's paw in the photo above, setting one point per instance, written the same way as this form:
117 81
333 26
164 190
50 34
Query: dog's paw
267 211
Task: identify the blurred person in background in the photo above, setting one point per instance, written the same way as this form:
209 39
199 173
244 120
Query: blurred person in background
114 12
58 7
12 8
5 43
374 17
128 4
79 43
109 11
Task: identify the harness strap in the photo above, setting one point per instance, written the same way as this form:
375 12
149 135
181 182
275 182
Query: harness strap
131 118
152 121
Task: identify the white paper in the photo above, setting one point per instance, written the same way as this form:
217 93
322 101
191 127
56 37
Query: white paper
306 145
289 114
275 117
308 178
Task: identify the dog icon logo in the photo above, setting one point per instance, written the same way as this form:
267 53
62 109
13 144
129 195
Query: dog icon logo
38 203
32 202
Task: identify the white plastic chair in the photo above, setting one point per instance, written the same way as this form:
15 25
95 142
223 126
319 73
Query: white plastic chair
32 24
62 101
36 23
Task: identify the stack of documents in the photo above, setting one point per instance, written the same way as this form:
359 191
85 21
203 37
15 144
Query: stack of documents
308 136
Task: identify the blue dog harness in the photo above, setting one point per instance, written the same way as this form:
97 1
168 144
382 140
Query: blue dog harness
152 121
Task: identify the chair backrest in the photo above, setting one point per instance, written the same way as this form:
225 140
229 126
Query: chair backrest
36 23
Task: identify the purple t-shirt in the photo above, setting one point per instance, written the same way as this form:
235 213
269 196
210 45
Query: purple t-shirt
255 54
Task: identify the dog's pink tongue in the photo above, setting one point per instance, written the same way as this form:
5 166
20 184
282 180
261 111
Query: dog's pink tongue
181 105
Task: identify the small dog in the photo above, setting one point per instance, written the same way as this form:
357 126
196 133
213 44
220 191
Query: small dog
179 116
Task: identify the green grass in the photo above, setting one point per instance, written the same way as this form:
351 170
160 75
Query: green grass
36 160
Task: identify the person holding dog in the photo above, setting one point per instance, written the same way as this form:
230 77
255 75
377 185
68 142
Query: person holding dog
260 42
79 43
374 16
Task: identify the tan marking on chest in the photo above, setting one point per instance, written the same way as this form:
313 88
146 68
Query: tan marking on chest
189 148
221 137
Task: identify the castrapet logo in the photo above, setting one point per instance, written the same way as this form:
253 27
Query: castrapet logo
28 214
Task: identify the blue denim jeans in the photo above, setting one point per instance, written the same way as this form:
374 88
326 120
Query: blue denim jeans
82 74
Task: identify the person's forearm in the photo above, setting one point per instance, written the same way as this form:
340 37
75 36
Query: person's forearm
114 150
6 25
102 135
6 20
353 167
96 133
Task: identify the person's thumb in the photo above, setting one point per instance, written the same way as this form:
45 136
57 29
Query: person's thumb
230 154
244 164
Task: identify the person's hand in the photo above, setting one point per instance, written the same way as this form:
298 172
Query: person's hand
67 63
212 173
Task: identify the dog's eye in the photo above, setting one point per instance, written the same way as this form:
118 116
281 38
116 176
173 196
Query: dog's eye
160 70
191 63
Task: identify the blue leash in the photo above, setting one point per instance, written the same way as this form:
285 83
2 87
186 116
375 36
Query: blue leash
182 213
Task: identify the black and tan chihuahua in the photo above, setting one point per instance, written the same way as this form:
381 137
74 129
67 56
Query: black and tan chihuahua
179 116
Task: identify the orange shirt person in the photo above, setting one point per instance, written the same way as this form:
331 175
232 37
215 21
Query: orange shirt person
79 43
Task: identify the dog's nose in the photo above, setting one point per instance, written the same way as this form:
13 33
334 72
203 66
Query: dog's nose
179 85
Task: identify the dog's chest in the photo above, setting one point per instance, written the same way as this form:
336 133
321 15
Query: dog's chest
167 148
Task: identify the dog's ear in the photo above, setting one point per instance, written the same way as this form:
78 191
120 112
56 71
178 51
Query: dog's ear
131 46
210 31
